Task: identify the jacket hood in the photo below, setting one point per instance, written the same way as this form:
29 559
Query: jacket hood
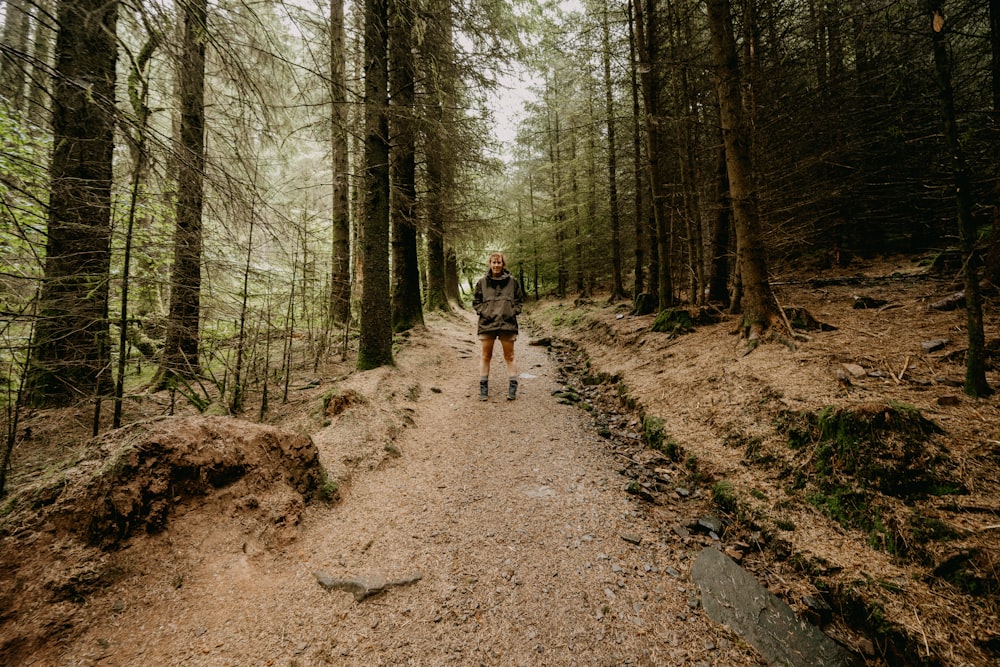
504 275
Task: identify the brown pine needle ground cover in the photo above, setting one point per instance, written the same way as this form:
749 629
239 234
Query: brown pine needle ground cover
854 465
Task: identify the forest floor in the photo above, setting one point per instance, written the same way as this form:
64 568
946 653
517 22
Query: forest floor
534 532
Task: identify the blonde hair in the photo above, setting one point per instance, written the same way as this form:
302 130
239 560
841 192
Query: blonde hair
497 254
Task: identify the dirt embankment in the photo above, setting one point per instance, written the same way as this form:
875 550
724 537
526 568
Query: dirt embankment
68 537
865 481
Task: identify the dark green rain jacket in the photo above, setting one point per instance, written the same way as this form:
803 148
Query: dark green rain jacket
498 302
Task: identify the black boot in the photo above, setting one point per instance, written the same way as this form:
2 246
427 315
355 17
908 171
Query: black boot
512 390
484 390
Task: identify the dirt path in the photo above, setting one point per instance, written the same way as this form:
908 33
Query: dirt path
511 513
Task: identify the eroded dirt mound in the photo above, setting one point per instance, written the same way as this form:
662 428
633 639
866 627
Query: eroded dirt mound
62 537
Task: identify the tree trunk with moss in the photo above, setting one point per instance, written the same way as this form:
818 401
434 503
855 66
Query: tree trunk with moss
72 352
761 313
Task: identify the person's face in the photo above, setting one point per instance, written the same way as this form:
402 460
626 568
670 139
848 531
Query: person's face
496 265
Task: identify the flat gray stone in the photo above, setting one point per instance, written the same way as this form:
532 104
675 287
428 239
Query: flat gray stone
733 597
712 524
363 588
855 370
935 344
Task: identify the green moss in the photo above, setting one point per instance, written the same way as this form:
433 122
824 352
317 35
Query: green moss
858 509
930 529
643 304
883 538
595 378
8 507
883 447
673 321
328 490
724 496
625 397
940 488
672 449
567 318
846 507
652 432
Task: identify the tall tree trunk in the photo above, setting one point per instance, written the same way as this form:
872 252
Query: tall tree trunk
617 286
646 43
718 282
993 256
340 278
407 310
639 279
590 236
39 83
760 308
687 130
180 351
375 347
577 219
438 52
356 195
558 213
236 401
534 236
975 357
72 334
14 61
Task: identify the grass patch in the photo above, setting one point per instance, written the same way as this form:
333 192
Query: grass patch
655 437
724 497
867 463
328 491
567 319
627 400
859 510
652 431
592 378
785 524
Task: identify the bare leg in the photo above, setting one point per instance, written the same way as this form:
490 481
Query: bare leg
484 365
508 356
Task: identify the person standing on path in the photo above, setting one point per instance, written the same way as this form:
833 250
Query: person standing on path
498 300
